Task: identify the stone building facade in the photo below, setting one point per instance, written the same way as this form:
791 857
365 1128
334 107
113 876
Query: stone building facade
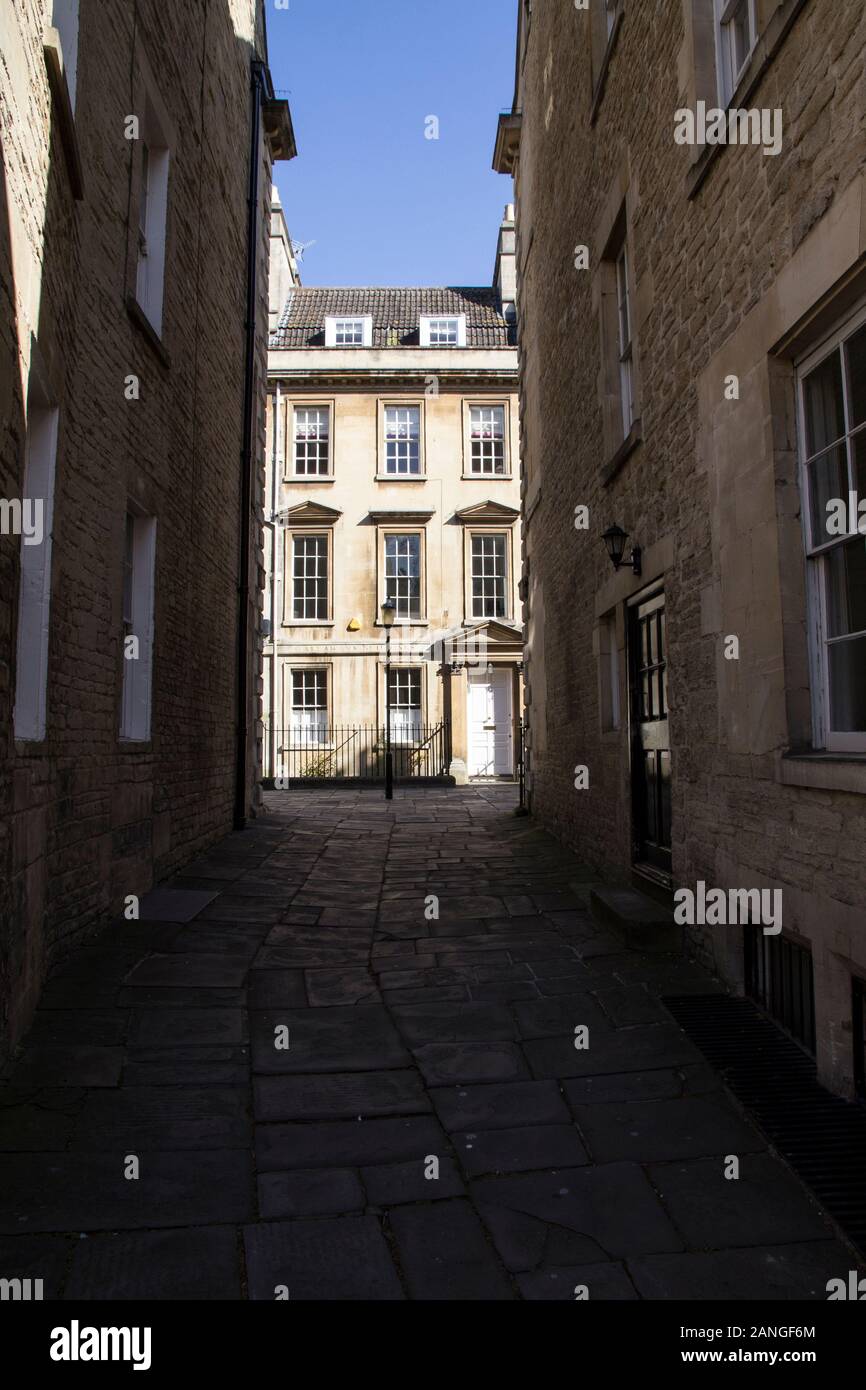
691 214
132 409
393 476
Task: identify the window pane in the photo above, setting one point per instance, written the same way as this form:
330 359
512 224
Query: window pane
847 661
828 480
487 431
825 415
402 439
856 354
403 574
846 588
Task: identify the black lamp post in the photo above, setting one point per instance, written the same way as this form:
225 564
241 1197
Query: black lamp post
614 539
389 612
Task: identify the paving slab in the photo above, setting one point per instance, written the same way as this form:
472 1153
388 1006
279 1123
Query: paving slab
609 1282
360 1038
647 1131
444 1254
500 1106
518 1150
799 1271
338 1097
174 904
312 1192
199 1264
396 1184
345 1259
763 1206
349 1143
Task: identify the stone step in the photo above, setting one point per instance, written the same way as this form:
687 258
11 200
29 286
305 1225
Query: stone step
644 924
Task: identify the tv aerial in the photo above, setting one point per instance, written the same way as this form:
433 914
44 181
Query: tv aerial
298 249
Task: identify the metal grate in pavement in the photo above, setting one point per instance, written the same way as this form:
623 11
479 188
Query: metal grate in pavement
822 1136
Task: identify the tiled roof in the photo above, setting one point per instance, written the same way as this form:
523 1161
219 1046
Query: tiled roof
396 314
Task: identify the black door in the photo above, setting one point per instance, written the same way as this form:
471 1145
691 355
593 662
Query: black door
651 756
859 1012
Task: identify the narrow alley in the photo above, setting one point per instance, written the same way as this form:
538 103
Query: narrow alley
380 1051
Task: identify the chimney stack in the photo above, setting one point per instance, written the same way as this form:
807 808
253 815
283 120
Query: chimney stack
505 274
284 270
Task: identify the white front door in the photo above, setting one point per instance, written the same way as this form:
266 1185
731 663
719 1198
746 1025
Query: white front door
491 736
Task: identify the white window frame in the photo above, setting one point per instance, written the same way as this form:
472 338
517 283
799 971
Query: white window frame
335 325
296 409
319 729
399 725
429 325
136 698
384 472
471 470
624 338
728 77
154 164
305 533
488 533
817 551
385 534
65 19
30 712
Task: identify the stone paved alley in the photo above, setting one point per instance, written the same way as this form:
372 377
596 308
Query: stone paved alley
409 1039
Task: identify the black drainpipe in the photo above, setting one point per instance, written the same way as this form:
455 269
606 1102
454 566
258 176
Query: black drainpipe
258 86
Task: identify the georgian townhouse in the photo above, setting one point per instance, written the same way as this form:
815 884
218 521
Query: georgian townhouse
393 540
693 418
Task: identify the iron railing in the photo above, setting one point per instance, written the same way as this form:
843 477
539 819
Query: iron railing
356 753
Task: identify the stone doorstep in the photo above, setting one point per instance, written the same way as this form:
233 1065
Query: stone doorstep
642 923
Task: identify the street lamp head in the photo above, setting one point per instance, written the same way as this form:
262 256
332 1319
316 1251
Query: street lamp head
389 612
614 539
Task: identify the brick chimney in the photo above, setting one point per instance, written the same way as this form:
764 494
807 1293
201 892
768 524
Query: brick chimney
505 273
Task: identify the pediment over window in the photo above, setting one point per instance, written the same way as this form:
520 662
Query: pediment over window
399 516
311 514
484 512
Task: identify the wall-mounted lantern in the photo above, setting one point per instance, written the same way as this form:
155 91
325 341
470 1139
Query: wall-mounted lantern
614 539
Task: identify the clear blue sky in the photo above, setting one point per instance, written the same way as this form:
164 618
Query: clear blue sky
384 205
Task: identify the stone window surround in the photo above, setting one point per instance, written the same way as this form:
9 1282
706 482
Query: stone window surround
291 531
383 404
58 79
615 228
290 405
823 346
41 449
146 93
290 664
469 403
398 528
488 529
609 647
412 664
604 36
775 19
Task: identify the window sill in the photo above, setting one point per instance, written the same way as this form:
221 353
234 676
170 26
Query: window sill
763 55
598 92
135 745
488 477
309 622
842 772
303 479
66 117
404 623
400 477
626 448
146 328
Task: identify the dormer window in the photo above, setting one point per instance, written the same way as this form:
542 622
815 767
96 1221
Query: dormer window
443 331
349 332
